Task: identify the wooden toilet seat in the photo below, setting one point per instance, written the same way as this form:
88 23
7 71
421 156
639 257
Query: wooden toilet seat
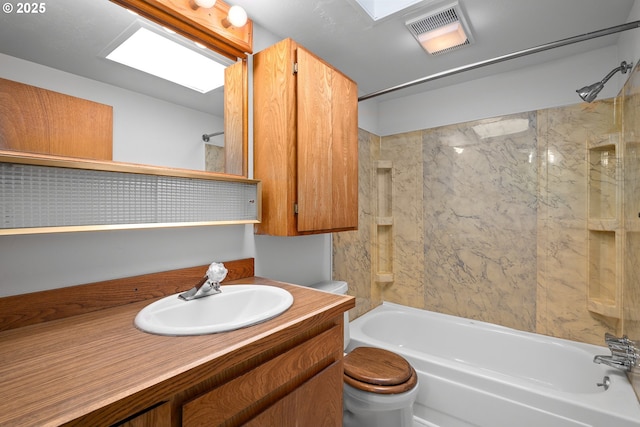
378 371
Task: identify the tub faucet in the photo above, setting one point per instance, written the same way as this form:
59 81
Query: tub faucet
624 354
208 285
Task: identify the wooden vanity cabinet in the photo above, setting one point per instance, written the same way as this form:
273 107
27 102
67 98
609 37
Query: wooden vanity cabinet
301 384
305 142
88 365
294 383
315 402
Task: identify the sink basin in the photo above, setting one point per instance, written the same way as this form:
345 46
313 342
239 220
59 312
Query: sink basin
238 306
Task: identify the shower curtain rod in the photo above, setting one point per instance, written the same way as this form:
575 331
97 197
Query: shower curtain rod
514 55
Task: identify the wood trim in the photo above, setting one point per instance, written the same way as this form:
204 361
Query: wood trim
202 25
28 309
80 228
235 112
109 166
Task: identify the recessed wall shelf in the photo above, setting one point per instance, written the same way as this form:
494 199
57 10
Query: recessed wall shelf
61 195
605 229
383 241
603 165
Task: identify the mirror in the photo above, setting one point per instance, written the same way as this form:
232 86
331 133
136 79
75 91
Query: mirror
61 47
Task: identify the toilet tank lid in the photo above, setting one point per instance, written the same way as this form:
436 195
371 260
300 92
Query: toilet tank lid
332 286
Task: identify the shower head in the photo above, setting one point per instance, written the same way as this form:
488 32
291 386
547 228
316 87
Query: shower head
589 93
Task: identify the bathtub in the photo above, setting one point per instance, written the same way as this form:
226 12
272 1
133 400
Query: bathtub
473 373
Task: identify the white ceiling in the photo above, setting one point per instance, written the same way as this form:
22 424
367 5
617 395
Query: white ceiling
375 55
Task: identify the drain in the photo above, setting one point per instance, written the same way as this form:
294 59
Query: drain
606 382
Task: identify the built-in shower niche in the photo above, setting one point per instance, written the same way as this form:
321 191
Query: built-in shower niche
384 222
603 183
604 289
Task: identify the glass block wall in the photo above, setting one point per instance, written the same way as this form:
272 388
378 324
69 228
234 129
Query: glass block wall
43 196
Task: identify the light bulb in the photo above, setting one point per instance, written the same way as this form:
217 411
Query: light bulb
237 16
207 4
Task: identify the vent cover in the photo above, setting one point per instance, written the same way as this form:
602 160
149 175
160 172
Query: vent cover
439 18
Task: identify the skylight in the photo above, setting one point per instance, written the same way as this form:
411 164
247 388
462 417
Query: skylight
379 9
155 54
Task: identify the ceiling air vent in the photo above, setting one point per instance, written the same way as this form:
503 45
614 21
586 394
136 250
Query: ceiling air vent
441 30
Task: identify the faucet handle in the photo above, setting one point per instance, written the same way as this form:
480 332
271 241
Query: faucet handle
622 347
217 272
611 339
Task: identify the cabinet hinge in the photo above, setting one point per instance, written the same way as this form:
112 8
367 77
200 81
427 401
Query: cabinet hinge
295 68
295 209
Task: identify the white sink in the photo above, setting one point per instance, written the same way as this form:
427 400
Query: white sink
237 306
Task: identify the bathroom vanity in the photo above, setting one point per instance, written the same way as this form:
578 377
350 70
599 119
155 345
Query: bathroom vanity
97 369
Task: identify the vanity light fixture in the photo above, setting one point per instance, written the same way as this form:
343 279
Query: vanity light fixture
168 56
236 16
207 4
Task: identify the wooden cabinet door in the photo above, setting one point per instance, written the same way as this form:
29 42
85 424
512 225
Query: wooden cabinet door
239 400
344 161
327 146
318 402
274 121
37 120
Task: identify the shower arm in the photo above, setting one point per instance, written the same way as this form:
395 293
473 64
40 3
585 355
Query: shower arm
207 136
623 68
514 55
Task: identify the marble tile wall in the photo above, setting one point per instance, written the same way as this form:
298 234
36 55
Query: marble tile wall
213 158
352 250
405 153
480 220
489 221
564 136
492 219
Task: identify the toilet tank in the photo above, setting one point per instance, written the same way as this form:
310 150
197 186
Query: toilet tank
336 287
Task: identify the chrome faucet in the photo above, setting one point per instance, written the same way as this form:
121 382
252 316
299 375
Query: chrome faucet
204 288
619 345
624 354
209 285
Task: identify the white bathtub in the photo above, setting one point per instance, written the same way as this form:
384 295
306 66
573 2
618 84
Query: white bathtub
473 373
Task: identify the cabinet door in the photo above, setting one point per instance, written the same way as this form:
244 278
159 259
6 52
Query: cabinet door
37 120
239 400
317 402
327 144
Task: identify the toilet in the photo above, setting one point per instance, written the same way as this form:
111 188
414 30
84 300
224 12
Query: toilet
379 386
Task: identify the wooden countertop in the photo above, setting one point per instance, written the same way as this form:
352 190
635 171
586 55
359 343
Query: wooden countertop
55 372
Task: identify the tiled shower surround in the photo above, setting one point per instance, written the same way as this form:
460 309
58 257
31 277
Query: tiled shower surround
490 219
